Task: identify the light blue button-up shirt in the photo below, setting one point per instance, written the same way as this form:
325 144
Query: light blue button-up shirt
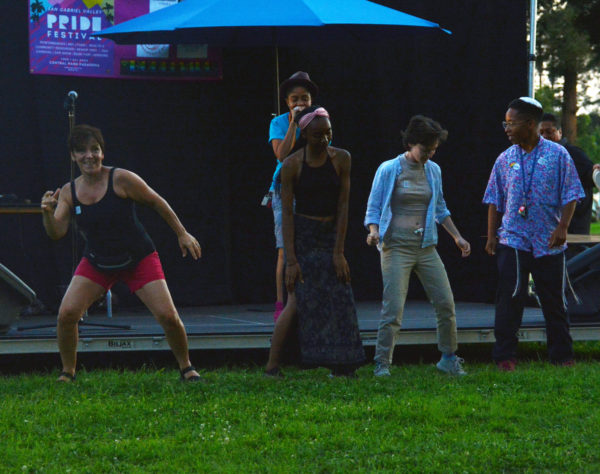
379 210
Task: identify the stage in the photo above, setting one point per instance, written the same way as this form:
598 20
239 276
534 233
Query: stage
251 326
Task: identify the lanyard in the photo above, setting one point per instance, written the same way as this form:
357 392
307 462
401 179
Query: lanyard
528 188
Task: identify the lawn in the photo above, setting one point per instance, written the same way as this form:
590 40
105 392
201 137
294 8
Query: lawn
595 228
539 418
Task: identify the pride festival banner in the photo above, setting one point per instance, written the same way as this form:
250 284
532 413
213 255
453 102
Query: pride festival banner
61 43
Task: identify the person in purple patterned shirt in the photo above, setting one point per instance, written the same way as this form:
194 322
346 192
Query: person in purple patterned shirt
531 197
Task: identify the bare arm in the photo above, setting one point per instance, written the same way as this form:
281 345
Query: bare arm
339 261
492 228
282 148
56 211
462 244
130 185
293 272
559 235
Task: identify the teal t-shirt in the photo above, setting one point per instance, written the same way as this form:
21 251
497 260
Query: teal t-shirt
277 130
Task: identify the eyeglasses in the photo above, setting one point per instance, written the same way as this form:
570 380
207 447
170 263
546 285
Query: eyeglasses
506 125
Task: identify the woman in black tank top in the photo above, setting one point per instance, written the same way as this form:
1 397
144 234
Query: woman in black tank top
318 177
102 201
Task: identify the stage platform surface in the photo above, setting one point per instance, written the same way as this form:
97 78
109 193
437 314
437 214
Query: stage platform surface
250 327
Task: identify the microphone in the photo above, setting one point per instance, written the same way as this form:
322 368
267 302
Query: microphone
70 100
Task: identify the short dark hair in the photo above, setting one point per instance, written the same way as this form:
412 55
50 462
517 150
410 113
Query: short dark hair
527 110
423 130
548 117
81 134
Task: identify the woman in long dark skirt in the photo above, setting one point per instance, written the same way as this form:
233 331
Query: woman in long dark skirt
318 178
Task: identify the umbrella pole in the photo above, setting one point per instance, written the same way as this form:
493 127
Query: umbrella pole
532 38
277 101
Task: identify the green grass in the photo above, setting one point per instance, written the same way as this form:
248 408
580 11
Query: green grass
540 418
595 228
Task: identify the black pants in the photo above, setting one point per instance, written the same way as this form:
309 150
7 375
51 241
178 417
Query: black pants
549 277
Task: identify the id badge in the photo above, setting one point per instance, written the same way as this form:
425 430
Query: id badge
266 200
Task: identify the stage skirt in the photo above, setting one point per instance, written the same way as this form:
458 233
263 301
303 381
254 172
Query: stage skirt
327 324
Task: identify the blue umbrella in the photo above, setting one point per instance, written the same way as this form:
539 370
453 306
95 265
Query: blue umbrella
267 22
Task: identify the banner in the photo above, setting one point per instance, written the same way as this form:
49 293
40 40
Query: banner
60 43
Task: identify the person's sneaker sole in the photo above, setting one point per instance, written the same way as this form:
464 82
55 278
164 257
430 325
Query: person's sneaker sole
443 369
382 373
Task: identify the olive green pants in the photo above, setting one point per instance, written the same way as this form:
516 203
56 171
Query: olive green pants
397 263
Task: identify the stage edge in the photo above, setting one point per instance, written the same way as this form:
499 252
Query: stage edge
262 341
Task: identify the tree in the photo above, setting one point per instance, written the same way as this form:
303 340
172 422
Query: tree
548 97
568 46
588 125
108 11
37 8
589 135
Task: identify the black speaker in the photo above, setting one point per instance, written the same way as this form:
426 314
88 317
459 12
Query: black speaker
584 275
14 296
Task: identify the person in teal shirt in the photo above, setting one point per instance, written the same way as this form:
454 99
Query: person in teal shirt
297 91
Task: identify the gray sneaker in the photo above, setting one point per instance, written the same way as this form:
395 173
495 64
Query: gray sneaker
451 366
381 370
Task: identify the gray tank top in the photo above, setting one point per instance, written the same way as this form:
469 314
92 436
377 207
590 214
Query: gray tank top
410 200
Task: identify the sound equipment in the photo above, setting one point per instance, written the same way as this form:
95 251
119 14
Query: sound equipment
584 275
14 296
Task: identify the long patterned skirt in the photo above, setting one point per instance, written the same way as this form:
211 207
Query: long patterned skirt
327 325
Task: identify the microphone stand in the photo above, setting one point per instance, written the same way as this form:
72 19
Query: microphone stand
69 106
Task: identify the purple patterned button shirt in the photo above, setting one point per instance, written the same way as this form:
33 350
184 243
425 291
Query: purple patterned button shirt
548 173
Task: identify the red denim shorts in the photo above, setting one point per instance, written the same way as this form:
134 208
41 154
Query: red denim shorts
149 269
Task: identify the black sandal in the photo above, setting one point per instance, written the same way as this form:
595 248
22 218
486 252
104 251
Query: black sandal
193 378
67 375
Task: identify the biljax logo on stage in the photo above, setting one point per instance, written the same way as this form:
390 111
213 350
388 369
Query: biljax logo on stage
120 344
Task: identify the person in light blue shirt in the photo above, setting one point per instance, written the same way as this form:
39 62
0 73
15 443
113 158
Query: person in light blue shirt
405 203
297 91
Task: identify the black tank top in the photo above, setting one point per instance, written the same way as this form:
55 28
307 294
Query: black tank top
111 229
300 142
318 189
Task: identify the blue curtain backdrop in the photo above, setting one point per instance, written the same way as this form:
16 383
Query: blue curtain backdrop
203 145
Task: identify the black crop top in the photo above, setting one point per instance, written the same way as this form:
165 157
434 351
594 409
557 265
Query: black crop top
318 189
110 227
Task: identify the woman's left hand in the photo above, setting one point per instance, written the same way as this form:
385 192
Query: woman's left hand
464 246
188 242
342 270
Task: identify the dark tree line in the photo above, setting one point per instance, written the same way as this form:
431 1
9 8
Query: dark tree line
569 46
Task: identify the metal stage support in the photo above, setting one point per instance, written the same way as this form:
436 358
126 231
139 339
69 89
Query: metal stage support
110 343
